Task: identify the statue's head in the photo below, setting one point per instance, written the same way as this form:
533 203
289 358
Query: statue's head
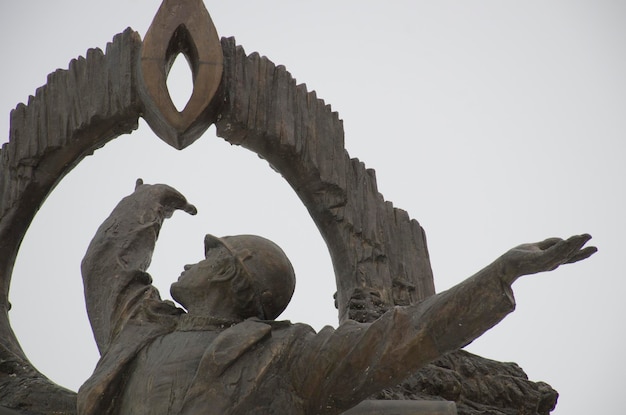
244 275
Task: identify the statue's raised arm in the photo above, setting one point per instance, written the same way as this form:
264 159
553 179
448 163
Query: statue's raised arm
114 267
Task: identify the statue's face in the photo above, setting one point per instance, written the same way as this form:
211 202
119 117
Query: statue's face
205 280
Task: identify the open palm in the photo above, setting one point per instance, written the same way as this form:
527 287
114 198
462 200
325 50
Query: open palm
546 255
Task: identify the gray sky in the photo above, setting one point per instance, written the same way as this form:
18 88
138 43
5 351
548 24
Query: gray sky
493 123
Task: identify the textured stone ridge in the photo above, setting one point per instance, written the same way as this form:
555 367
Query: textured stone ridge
98 87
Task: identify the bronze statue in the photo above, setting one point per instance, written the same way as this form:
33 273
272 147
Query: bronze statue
227 354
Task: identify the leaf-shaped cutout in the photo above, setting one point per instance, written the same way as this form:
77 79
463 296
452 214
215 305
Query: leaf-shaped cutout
180 26
180 82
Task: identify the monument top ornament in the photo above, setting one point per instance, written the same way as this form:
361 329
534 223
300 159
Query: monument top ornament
224 352
180 27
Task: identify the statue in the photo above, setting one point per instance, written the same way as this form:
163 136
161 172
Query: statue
227 354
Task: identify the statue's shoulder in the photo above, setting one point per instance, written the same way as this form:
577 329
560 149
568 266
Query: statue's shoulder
285 328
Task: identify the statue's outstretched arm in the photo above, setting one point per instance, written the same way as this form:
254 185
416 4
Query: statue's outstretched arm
358 359
464 312
114 266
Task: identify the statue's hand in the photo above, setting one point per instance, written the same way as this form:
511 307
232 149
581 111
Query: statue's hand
168 198
544 256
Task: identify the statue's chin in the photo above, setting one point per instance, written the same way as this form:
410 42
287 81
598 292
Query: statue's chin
175 291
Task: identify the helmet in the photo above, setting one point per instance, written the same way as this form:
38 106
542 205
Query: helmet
268 267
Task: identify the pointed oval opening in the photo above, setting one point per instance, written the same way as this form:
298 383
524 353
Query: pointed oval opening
181 73
180 82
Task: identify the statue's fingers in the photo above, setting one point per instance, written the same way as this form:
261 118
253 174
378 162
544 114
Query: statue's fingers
183 205
579 240
560 250
582 254
189 208
565 250
173 200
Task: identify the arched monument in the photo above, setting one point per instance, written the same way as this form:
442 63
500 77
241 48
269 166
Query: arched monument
379 253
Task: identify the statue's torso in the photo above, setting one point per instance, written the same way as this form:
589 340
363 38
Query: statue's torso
245 369
163 371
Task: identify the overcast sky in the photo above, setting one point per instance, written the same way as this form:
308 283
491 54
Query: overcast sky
493 123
